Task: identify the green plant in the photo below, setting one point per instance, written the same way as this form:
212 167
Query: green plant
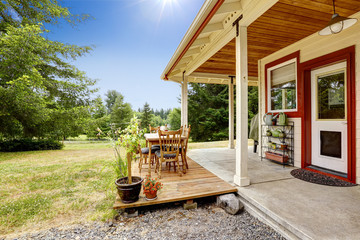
119 166
27 144
130 138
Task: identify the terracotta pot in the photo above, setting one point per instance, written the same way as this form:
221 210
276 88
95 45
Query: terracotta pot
129 193
151 195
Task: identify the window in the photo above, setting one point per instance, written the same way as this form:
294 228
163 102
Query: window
282 80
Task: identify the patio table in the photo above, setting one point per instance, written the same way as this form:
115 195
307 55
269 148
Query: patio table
153 139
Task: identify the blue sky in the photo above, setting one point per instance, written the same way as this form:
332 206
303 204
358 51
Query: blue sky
134 40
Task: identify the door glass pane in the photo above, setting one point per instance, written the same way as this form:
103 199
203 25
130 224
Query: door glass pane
331 96
330 144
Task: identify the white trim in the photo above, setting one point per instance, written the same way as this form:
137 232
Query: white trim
217 43
200 17
213 28
252 9
229 7
293 60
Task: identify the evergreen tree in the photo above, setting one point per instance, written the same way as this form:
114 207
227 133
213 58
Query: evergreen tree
146 116
121 112
208 112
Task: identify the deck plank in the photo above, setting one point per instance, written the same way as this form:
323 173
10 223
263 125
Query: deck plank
196 183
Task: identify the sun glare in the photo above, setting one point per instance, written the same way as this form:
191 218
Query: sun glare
158 10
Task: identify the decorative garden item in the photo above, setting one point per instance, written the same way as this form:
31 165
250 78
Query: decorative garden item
283 120
128 187
269 119
150 188
282 134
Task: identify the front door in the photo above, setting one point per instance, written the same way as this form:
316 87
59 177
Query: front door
328 117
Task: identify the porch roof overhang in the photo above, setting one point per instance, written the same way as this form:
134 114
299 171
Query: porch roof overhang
206 54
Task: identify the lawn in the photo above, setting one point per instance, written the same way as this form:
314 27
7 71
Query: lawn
41 189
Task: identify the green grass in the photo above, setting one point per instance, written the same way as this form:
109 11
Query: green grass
44 188
41 189
15 213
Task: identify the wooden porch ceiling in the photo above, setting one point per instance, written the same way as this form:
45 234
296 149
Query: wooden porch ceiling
287 22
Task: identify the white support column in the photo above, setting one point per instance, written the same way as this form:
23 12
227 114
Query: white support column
184 102
241 176
231 114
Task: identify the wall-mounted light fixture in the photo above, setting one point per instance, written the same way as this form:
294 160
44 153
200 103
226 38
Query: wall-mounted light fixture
337 24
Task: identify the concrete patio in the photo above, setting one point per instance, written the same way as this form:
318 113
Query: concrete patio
297 209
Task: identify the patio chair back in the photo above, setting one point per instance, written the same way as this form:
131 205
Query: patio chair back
169 142
153 129
186 133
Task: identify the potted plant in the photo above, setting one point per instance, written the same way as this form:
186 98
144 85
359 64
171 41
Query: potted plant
128 186
150 188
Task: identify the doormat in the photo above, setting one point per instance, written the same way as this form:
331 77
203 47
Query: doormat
318 178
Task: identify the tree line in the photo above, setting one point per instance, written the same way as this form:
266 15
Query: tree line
114 112
44 96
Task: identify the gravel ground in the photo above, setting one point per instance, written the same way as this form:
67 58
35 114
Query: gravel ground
168 222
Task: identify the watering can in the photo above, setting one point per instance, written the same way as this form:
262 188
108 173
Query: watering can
269 117
282 119
278 133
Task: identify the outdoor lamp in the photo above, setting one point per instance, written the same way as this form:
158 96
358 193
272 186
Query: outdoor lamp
337 24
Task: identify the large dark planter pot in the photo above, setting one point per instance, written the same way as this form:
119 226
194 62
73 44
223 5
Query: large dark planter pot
129 193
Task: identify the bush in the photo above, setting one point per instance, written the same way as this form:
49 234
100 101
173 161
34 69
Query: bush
18 145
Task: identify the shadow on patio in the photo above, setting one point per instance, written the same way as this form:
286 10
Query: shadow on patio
297 209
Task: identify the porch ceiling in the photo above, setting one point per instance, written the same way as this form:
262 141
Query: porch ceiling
285 23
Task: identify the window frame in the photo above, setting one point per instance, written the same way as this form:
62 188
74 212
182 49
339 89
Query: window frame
268 81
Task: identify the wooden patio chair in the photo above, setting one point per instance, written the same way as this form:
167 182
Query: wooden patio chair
183 148
169 150
154 130
144 154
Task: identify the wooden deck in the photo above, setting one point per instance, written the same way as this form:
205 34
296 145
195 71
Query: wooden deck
196 183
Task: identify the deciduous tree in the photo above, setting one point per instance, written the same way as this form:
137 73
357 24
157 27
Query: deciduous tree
174 118
40 91
111 96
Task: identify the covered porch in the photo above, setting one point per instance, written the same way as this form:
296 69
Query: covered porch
237 42
295 208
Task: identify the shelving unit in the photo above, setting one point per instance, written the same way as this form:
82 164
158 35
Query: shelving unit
277 152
